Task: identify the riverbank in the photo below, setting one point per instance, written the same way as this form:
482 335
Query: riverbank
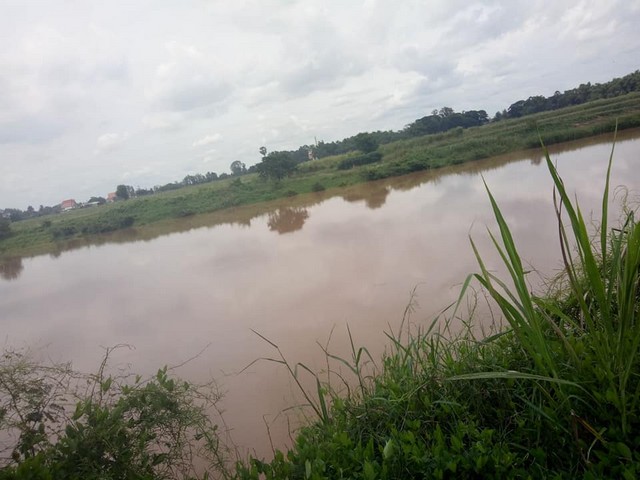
52 234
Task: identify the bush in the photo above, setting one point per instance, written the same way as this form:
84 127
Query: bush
318 187
5 228
141 429
365 159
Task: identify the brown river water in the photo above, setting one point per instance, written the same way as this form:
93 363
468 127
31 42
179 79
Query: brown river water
293 270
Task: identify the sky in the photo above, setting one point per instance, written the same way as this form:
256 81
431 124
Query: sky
94 94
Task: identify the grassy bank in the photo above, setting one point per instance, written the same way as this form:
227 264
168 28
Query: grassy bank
47 234
556 394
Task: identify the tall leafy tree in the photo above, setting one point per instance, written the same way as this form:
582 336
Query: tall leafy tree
122 192
238 168
276 165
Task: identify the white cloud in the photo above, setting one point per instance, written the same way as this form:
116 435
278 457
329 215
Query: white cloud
207 140
110 141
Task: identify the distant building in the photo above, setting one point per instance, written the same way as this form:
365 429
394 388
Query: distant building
112 197
68 205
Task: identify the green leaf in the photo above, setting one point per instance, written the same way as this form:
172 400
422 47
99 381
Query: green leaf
307 469
106 385
388 450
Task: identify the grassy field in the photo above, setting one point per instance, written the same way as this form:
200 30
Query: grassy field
54 233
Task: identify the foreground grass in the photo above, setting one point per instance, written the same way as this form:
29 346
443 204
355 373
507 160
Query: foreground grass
554 395
51 234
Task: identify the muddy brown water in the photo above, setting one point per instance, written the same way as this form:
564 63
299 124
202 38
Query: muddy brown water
293 270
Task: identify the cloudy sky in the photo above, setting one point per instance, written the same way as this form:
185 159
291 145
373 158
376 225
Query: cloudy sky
98 93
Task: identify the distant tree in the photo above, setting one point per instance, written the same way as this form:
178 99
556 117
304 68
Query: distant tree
263 151
276 165
365 142
194 179
122 192
238 168
98 200
5 228
15 214
446 112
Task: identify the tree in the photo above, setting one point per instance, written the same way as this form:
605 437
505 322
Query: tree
5 228
98 200
365 142
276 165
263 151
446 112
122 192
238 168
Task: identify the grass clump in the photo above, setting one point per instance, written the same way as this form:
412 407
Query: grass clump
555 394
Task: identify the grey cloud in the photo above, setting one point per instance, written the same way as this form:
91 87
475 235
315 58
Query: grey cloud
63 74
30 130
326 72
191 96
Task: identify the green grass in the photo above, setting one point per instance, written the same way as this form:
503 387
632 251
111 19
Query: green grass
37 236
554 394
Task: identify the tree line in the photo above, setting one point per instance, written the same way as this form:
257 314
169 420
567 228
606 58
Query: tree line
446 118
586 92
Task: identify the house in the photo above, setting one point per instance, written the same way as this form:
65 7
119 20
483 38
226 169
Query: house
112 197
68 205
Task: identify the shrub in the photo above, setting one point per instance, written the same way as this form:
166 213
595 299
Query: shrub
365 159
144 429
5 228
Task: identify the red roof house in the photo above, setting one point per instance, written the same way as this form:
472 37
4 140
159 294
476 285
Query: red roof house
68 204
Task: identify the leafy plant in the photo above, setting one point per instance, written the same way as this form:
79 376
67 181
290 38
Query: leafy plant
156 428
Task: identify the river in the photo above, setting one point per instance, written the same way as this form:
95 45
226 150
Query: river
292 270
